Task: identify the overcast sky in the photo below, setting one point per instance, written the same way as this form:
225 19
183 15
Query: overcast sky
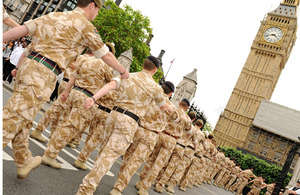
215 37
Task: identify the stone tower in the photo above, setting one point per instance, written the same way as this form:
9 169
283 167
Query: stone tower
186 88
269 53
125 59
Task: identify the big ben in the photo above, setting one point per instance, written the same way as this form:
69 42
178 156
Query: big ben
269 53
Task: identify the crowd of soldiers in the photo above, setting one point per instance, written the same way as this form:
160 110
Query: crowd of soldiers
127 114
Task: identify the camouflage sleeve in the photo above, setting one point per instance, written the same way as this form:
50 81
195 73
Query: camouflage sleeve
5 15
159 98
78 64
93 40
31 25
118 80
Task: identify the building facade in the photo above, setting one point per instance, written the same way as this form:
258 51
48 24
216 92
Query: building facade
186 88
269 53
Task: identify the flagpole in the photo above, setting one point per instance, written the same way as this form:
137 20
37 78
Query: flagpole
169 68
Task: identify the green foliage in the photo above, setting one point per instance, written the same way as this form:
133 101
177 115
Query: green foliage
260 167
125 28
208 128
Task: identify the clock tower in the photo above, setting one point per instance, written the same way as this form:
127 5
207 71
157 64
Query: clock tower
269 53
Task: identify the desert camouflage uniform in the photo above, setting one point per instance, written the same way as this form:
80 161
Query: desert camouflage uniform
270 188
196 164
233 175
145 139
134 95
256 187
91 74
164 148
242 181
57 109
223 168
5 15
55 36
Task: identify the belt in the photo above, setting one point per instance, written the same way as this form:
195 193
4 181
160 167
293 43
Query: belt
183 146
53 66
128 113
85 91
170 135
197 156
191 147
104 109
65 79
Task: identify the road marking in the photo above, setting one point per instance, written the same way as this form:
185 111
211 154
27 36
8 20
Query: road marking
7 156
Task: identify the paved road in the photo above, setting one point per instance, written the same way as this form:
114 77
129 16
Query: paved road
47 181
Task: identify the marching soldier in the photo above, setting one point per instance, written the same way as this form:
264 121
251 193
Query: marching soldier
270 188
46 57
134 96
256 186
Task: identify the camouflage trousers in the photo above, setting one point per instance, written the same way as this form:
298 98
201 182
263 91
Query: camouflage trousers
232 178
137 153
186 161
122 135
78 120
192 171
176 162
214 170
220 175
33 87
209 170
254 191
98 135
225 179
53 114
156 161
239 185
201 171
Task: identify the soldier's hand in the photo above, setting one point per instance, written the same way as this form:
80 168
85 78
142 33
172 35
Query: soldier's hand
88 103
125 75
14 72
64 96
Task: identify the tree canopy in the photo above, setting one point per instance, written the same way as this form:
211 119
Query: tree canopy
126 28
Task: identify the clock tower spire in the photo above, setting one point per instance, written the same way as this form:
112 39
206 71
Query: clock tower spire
269 53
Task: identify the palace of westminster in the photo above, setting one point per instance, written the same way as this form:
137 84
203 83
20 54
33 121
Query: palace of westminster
249 122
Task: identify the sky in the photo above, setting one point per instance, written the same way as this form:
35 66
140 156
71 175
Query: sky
215 37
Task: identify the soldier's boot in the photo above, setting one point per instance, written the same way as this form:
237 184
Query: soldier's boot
197 185
170 189
167 184
71 145
46 160
182 188
37 134
189 185
80 165
115 192
138 185
158 189
34 163
142 191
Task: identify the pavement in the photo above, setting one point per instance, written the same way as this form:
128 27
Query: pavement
47 181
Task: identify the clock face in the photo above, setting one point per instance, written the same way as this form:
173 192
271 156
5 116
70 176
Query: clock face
273 34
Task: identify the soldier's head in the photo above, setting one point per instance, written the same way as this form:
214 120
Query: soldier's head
185 104
91 8
151 64
210 136
298 183
199 123
168 88
192 115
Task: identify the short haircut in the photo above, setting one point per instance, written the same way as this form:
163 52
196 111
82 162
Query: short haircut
84 3
210 136
184 103
199 123
148 65
192 115
166 89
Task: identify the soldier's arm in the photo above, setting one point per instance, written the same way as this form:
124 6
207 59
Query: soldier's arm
15 33
111 60
10 22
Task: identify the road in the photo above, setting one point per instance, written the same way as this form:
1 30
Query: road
47 181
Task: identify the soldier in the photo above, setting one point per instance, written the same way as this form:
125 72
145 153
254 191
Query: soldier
48 55
242 180
90 75
144 140
233 175
270 188
192 168
134 96
256 186
164 148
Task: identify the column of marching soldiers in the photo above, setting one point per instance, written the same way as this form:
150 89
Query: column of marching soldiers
127 115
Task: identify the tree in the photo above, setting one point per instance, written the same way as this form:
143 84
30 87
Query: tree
125 28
